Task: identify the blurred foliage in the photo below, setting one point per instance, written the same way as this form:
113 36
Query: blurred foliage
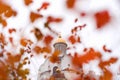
12 64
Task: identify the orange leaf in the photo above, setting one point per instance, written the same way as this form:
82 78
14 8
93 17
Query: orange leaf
11 39
78 39
83 14
4 23
28 62
54 58
102 64
46 49
48 39
34 16
70 3
38 34
76 28
78 60
37 49
23 42
10 13
6 9
26 58
107 75
2 39
53 19
80 27
72 39
27 2
106 50
1 54
13 58
22 51
31 55
12 30
45 56
44 6
76 20
85 49
102 18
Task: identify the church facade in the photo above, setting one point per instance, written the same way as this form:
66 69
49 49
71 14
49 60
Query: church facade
58 70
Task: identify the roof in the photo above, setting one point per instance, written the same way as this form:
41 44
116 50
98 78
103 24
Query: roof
60 40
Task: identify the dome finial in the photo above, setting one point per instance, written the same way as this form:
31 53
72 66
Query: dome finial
59 35
60 39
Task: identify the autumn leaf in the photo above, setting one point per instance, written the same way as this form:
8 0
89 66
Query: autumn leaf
70 3
26 58
78 60
11 40
78 39
14 58
15 71
102 18
10 13
73 39
81 27
27 2
3 7
74 30
12 30
7 10
77 28
102 64
3 71
53 19
85 49
45 56
107 75
2 39
76 20
106 50
28 62
46 49
1 54
34 16
48 39
38 34
54 58
82 14
31 55
44 6
22 51
37 49
23 42
4 23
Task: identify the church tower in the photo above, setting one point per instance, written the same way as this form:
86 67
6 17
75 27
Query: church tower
54 71
60 45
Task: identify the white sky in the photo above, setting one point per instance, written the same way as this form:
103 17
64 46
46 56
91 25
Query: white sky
90 36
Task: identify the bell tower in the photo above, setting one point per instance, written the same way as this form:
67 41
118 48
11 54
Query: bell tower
60 45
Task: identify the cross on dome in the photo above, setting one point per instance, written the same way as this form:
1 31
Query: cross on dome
60 39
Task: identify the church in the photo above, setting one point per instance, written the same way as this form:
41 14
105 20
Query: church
60 70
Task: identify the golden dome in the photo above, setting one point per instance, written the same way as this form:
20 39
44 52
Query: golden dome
60 40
